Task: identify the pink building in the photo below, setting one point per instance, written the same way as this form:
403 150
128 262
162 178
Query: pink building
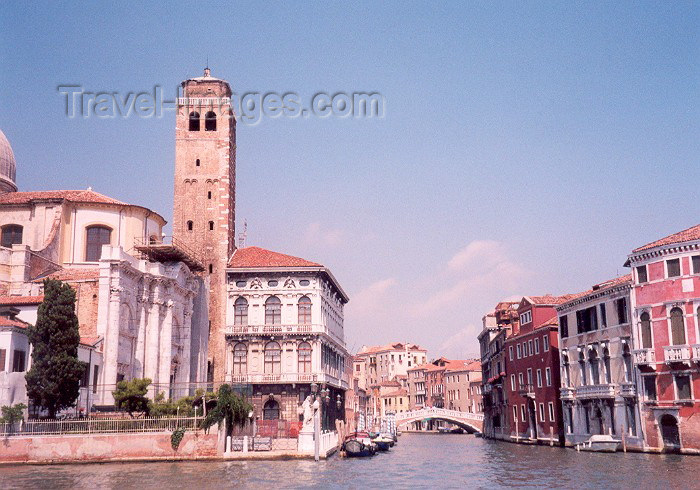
666 302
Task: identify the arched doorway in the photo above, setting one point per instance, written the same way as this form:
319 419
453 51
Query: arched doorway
271 410
670 433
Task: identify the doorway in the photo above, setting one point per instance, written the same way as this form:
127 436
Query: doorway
670 433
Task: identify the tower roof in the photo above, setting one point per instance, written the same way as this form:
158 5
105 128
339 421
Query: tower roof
8 167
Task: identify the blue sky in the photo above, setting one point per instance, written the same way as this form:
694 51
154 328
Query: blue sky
525 148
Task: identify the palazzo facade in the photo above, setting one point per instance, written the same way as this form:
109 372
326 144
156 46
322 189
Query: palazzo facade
284 333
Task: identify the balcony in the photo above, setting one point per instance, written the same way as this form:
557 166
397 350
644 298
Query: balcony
287 378
674 354
567 393
696 352
645 357
595 391
527 390
281 330
628 390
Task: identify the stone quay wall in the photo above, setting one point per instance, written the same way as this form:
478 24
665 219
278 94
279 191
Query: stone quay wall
86 448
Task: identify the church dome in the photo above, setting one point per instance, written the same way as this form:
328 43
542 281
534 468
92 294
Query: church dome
8 167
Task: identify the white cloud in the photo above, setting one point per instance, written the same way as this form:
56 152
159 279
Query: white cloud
316 234
482 268
460 345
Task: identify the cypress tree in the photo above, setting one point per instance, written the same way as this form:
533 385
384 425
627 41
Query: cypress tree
53 380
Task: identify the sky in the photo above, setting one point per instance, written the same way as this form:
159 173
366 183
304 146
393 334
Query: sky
525 148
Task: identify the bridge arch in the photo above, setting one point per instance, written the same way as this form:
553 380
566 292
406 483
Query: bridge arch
468 421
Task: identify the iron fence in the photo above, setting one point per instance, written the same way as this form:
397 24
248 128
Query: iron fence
100 425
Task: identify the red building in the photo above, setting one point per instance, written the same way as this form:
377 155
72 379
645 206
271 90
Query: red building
666 302
532 372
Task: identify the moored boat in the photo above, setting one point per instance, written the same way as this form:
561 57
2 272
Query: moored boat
383 443
600 444
358 445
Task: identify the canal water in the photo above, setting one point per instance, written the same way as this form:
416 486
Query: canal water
418 461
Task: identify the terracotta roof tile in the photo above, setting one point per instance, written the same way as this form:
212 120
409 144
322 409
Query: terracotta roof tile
250 257
20 300
551 300
74 196
401 392
389 347
9 322
689 235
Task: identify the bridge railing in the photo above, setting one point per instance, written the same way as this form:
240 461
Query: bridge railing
441 412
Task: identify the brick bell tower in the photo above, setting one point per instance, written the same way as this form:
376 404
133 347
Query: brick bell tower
205 193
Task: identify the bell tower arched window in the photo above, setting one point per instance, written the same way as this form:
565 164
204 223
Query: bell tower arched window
210 121
11 235
96 237
194 121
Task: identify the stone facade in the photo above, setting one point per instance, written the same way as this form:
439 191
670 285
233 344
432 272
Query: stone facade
284 333
205 191
598 383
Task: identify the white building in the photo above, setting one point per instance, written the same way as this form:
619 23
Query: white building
598 385
284 332
138 297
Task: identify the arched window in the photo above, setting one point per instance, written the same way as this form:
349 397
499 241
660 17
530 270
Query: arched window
606 365
211 268
208 194
304 353
273 358
677 327
240 316
582 366
11 235
595 366
197 163
210 121
190 225
240 358
273 311
211 226
96 237
567 370
627 358
271 410
304 310
194 122
645 326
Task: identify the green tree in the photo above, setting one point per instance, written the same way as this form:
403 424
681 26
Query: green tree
231 408
53 380
12 413
131 396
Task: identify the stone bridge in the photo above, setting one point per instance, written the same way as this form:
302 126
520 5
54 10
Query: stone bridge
471 422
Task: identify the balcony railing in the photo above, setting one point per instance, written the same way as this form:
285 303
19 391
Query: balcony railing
676 353
628 389
315 328
527 390
695 348
596 391
644 357
567 393
287 378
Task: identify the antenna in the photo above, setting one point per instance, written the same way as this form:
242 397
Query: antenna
243 235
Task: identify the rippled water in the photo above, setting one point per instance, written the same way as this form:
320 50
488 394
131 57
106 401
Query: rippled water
418 461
